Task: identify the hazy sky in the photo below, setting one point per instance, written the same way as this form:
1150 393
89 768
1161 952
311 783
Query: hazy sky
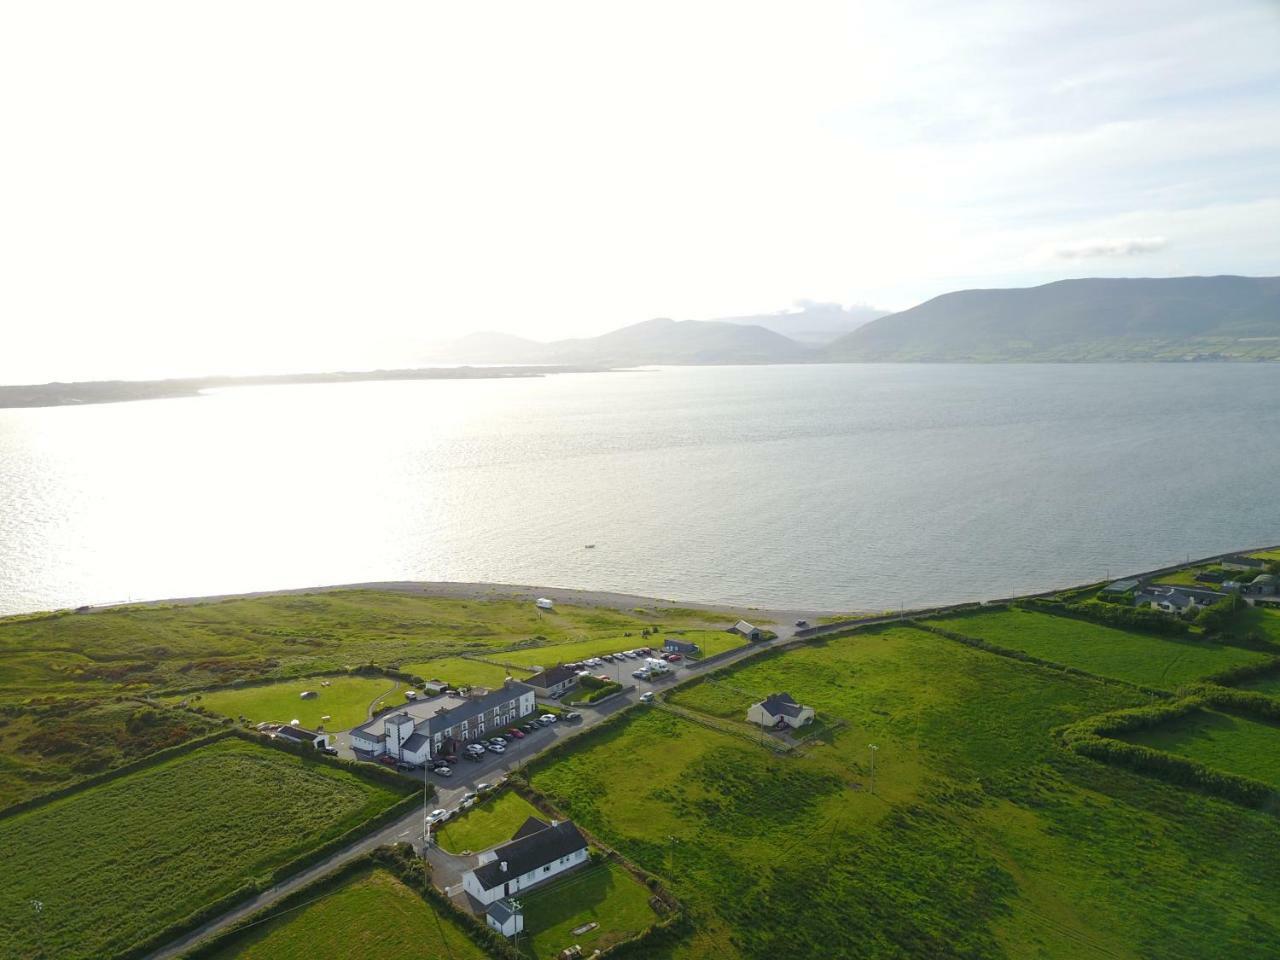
254 185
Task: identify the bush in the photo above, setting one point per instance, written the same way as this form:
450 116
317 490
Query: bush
1112 615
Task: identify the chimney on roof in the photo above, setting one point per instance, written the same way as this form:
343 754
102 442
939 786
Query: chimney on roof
503 866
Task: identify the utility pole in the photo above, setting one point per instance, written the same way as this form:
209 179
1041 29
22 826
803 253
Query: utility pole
873 749
671 855
37 909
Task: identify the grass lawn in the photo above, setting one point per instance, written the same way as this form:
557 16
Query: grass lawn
604 894
549 656
119 861
1219 740
983 839
713 642
1187 577
463 672
1160 662
345 700
372 915
489 823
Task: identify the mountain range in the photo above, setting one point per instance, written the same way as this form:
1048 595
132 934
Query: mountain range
1182 318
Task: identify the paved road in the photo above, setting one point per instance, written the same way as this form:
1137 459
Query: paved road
466 776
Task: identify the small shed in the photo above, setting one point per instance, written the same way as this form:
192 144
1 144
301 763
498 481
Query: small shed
744 629
676 645
544 603
506 916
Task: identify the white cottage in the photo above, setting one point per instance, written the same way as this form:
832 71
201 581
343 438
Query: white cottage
779 708
538 852
505 916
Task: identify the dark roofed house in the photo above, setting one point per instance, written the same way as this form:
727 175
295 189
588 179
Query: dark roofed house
744 629
1239 561
1122 586
301 735
553 682
778 709
538 852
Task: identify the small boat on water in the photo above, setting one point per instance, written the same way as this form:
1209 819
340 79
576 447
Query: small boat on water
590 546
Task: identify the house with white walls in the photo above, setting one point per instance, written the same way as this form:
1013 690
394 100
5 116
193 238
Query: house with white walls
539 851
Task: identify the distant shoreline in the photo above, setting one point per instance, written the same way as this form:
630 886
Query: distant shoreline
120 391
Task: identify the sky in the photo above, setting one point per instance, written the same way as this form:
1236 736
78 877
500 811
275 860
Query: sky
248 186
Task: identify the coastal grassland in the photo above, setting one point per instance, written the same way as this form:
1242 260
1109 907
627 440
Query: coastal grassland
577 650
121 860
984 837
52 745
1141 658
1186 577
464 672
1220 740
601 893
371 915
492 821
345 700
186 646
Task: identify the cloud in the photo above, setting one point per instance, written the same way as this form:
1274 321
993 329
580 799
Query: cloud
1109 247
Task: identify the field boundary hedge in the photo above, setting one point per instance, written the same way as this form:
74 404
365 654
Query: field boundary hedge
1111 615
1245 671
1095 737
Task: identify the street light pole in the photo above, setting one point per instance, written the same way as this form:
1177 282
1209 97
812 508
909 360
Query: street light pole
873 749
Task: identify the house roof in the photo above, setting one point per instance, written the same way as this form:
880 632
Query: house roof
1122 586
298 734
743 627
781 704
531 825
500 911
414 742
549 678
684 646
1240 560
444 717
1265 578
530 852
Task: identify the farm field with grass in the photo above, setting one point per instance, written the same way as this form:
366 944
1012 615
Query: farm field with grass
463 672
1219 740
183 646
489 823
345 700
1160 662
119 861
601 893
983 838
372 915
549 656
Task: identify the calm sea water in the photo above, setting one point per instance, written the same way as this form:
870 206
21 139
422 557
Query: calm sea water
836 487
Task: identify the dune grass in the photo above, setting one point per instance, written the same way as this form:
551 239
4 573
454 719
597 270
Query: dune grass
1161 662
119 861
345 700
492 821
602 893
371 915
983 838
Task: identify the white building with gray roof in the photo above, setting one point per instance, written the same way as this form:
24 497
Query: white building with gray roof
418 732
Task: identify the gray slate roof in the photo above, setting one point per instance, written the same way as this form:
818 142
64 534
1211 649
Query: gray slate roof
683 646
473 708
501 911
549 678
781 704
414 742
530 852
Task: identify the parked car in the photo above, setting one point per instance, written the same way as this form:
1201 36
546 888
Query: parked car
604 677
802 623
331 751
497 748
646 697
482 787
470 795
573 715
515 732
435 816
437 764
529 727
499 740
548 718
474 757
442 771
389 760
673 658
475 748
640 674
406 767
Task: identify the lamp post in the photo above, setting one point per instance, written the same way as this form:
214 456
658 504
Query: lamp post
873 748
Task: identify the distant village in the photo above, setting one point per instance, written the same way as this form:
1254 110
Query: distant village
1252 579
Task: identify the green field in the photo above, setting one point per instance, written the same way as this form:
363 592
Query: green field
1219 740
604 894
1187 577
1267 683
984 838
148 647
1160 662
577 650
345 700
119 861
373 915
489 823
462 672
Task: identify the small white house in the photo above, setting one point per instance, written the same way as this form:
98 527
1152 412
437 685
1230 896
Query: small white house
538 852
777 709
505 916
554 682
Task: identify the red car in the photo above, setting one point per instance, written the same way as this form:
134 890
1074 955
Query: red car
513 732
605 677
672 658
389 760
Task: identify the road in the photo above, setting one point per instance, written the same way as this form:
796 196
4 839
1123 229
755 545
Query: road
466 776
